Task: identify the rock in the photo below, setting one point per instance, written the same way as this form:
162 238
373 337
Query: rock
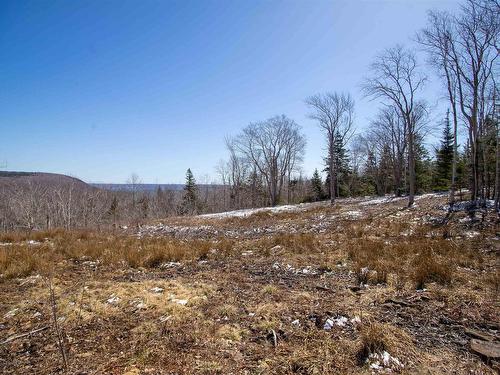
487 349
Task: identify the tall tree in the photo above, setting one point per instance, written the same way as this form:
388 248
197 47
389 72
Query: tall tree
190 198
467 44
335 115
316 186
273 147
445 158
395 77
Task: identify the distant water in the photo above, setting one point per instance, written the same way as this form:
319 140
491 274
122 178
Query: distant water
146 187
139 187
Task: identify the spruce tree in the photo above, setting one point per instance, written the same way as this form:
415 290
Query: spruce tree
342 167
190 198
423 167
317 186
444 159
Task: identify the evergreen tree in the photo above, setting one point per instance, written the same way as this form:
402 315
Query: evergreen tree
371 173
423 167
341 167
316 186
190 198
444 159
385 170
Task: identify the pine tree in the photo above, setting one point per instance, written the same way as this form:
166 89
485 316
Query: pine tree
316 186
341 167
423 167
190 198
371 172
385 170
444 159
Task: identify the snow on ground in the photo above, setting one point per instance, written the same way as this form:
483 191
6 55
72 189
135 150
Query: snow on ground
251 211
380 200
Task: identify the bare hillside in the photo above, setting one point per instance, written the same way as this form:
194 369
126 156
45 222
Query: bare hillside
366 286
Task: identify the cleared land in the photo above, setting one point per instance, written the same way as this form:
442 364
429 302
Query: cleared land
367 286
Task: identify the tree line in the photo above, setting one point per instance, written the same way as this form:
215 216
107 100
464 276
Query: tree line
390 157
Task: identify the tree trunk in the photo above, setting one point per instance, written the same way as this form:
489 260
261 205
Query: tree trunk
454 162
331 170
411 167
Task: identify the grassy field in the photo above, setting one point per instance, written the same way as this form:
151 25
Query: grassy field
366 286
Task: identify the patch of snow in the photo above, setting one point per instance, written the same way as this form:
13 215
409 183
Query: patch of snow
331 322
157 289
471 234
113 299
182 302
356 320
251 211
353 214
380 200
467 205
170 265
384 362
296 323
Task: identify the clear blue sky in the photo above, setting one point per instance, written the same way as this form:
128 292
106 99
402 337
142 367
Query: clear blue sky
101 89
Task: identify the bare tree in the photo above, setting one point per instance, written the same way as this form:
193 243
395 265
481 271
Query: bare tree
467 47
133 181
389 130
395 77
272 146
335 114
437 40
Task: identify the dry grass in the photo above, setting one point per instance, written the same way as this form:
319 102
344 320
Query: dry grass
419 260
19 259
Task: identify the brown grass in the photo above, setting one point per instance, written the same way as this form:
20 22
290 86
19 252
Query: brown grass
22 259
419 260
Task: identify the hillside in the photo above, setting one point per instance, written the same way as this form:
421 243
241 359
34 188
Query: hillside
46 179
366 286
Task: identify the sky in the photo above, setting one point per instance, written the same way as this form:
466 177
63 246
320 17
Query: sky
103 89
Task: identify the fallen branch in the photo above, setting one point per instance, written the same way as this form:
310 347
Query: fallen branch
21 335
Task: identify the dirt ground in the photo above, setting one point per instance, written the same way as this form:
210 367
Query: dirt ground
366 286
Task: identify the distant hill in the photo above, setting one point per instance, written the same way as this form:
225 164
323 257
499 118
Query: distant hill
54 179
49 179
